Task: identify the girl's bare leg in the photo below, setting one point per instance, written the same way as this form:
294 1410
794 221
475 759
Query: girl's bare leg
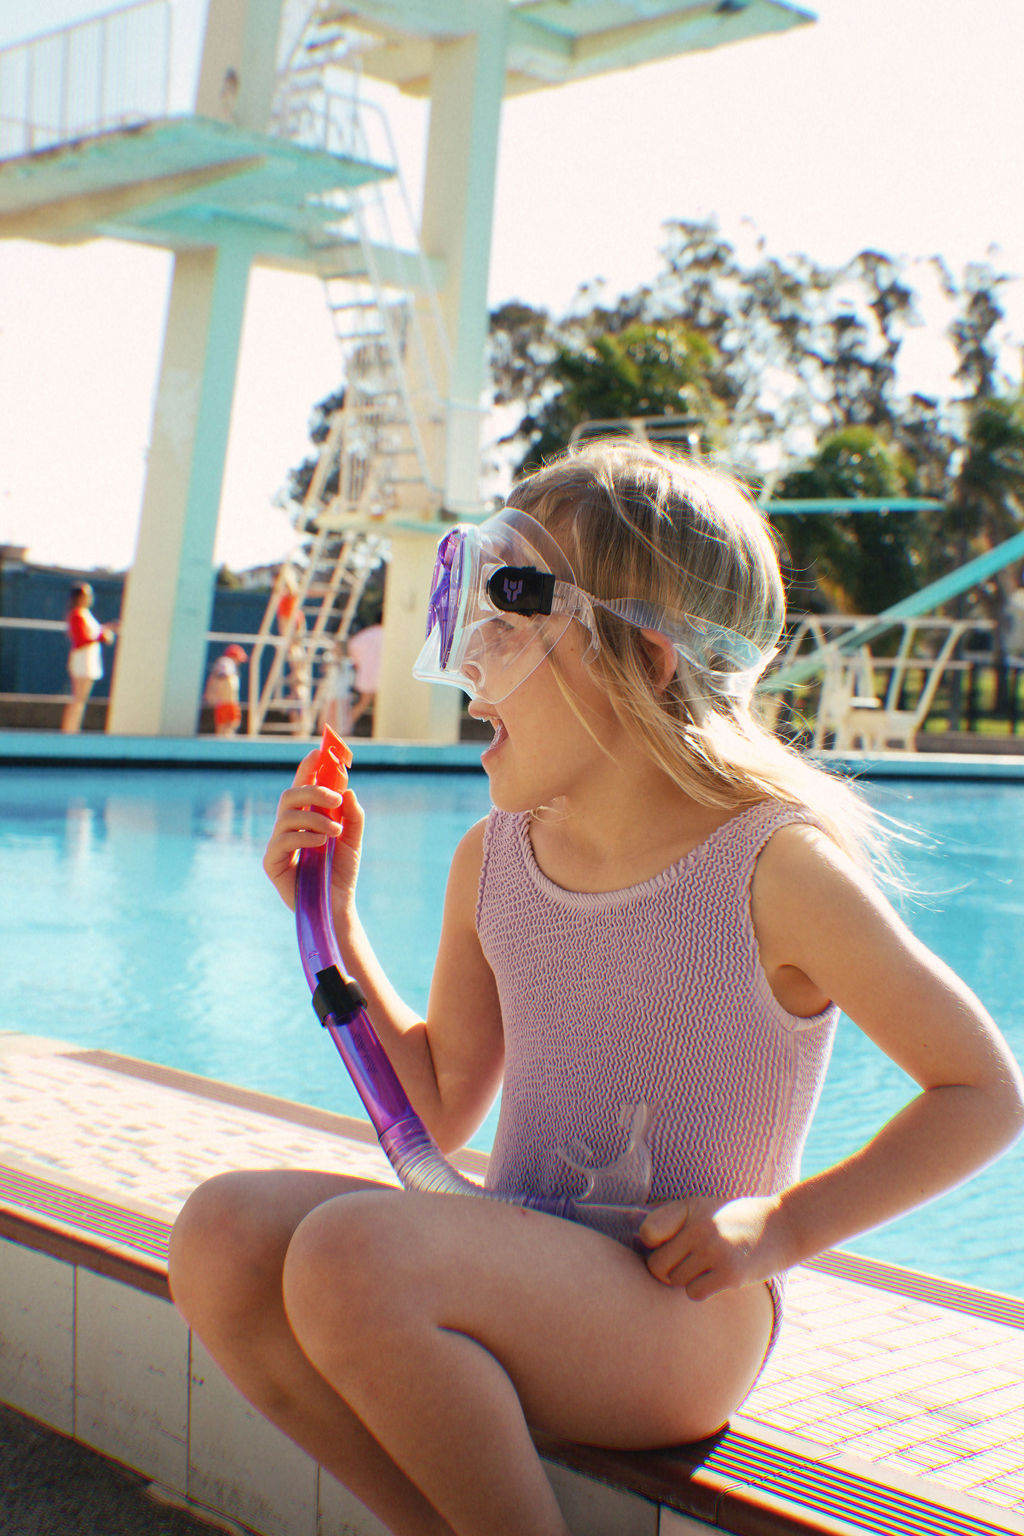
74 710
227 1252
449 1324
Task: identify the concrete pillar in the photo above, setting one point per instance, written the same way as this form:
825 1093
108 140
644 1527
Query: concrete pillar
159 670
236 76
162 648
406 709
467 88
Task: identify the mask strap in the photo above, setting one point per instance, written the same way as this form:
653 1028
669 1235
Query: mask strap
521 589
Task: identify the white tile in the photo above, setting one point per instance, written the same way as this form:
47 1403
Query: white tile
591 1508
675 1524
341 1514
131 1378
241 1465
37 1296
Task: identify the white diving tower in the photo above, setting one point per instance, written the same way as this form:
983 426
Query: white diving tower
275 165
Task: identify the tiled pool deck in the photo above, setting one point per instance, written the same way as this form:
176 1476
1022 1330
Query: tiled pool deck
879 1374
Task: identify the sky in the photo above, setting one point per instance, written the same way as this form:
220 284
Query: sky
892 124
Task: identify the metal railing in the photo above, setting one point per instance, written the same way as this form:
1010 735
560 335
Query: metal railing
38 710
944 675
110 71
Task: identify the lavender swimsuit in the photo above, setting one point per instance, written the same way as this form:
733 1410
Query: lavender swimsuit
644 1016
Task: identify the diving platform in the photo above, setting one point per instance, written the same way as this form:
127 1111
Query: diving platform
555 42
180 183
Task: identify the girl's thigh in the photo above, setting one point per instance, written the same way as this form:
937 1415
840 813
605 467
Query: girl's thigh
599 1351
240 1224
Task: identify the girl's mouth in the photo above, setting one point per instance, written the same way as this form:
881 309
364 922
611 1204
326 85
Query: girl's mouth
500 737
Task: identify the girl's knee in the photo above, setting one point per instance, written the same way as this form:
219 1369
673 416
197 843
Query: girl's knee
344 1268
221 1237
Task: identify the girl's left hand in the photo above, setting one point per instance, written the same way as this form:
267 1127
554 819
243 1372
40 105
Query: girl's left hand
705 1245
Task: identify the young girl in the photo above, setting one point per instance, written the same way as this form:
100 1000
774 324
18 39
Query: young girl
646 945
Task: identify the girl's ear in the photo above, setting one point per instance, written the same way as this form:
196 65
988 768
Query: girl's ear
661 654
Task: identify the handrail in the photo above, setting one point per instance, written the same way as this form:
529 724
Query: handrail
106 72
954 584
59 693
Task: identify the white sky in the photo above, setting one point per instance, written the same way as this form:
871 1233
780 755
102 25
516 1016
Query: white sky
897 124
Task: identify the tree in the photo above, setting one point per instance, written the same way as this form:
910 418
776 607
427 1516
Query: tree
986 505
299 477
976 330
855 562
793 370
804 349
985 502
642 370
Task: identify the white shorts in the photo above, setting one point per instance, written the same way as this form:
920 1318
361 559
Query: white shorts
86 662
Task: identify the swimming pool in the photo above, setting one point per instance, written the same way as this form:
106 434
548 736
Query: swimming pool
135 918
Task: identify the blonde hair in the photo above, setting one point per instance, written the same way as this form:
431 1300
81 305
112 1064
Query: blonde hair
638 522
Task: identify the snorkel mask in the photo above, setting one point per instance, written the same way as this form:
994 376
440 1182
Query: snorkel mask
504 594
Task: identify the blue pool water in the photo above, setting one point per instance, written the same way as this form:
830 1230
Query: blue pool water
134 917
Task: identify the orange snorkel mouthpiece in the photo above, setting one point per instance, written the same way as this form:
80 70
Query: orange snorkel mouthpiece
332 765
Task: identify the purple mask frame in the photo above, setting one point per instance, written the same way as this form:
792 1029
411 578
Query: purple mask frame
439 611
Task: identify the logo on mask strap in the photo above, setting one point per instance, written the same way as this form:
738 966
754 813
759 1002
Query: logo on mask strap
521 589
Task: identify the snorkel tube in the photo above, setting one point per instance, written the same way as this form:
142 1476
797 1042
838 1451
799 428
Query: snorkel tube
340 1006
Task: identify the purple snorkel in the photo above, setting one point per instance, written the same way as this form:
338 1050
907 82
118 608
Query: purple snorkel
339 1004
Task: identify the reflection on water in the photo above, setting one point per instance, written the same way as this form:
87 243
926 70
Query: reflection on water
140 894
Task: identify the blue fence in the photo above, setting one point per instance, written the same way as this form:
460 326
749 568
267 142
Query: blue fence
34 661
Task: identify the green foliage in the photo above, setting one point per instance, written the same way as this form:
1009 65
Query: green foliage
791 370
989 491
642 370
986 502
300 476
857 562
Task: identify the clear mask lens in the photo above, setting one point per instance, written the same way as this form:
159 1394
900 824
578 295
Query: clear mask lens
478 639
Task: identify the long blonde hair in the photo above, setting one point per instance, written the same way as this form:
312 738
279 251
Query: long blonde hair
639 522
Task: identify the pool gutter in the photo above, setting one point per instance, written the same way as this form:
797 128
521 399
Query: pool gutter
98 750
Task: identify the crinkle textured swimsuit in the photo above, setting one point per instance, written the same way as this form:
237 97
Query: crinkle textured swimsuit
649 996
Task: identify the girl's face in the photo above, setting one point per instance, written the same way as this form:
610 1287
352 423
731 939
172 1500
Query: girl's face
542 750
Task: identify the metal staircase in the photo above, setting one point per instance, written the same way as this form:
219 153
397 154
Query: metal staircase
383 450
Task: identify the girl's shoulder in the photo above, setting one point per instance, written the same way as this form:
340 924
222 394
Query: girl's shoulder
797 843
470 853
745 835
806 886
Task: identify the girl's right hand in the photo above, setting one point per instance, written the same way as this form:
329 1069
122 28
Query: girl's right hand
303 821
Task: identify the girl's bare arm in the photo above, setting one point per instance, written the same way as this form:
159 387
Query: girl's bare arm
449 1064
824 925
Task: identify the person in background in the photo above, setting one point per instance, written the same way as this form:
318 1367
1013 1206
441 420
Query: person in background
291 621
336 706
223 691
85 659
364 649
